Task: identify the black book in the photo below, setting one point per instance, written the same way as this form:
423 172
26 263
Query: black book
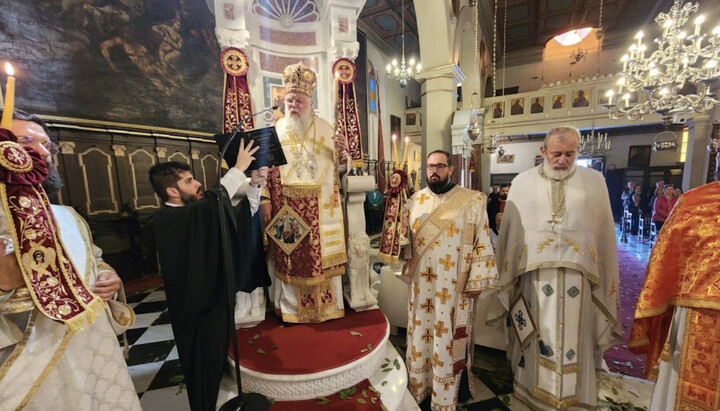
270 153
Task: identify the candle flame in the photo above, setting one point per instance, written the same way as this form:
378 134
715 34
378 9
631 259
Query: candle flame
407 139
9 69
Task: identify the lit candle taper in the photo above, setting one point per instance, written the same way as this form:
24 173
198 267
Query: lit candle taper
405 151
10 97
395 152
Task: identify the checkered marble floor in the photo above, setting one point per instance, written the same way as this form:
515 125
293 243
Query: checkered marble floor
155 369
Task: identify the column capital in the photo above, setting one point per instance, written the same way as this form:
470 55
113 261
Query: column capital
452 71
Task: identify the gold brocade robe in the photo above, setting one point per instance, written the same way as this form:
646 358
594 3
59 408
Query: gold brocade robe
452 262
683 272
307 233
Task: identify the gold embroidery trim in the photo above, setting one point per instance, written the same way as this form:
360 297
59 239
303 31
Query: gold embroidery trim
20 346
541 246
303 191
23 162
574 245
48 369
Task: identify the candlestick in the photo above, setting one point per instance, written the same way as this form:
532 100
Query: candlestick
10 99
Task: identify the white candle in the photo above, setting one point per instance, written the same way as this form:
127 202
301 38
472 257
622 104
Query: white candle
10 99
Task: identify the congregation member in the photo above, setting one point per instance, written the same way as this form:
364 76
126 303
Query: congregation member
449 262
57 350
663 205
494 193
557 252
627 194
192 262
659 191
677 315
495 231
308 261
498 205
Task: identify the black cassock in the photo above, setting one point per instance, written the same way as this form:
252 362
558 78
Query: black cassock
190 252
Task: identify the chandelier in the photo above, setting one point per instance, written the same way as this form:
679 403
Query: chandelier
594 145
680 77
405 71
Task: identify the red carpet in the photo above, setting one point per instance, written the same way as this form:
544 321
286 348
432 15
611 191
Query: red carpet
632 277
360 397
272 348
142 284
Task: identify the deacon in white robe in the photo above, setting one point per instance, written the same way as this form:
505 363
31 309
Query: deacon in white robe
450 262
557 250
44 366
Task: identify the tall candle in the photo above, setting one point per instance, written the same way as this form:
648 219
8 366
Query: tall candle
405 151
10 99
395 152
1 98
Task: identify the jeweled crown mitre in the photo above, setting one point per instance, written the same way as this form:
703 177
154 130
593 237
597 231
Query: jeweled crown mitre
299 78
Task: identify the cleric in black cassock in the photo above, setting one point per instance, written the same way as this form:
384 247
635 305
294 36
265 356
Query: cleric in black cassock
189 245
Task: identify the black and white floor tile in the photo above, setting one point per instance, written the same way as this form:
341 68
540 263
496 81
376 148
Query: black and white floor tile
155 369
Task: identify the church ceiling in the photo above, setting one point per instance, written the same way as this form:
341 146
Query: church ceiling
530 23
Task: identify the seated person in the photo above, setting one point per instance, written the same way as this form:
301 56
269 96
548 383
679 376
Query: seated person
636 211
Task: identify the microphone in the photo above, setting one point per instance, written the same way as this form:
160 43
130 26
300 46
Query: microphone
235 131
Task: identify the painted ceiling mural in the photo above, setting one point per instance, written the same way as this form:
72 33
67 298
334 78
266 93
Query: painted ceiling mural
129 61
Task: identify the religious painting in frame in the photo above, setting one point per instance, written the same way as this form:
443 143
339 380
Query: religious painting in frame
287 229
558 101
517 106
395 127
537 105
506 159
274 96
498 109
639 156
156 63
413 120
580 98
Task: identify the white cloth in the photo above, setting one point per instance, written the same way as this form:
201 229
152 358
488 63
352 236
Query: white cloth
52 369
665 390
549 256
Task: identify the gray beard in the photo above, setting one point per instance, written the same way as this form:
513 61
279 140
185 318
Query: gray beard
298 124
553 174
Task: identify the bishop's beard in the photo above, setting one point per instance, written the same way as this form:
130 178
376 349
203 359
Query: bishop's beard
554 174
299 124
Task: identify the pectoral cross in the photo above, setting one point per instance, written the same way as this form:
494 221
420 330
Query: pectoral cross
553 221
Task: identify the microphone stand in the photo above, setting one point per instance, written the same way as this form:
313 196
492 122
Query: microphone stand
248 401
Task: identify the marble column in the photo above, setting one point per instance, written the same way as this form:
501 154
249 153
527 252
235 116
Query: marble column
696 158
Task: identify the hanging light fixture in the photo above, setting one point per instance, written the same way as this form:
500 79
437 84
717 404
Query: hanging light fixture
678 78
594 145
491 143
404 71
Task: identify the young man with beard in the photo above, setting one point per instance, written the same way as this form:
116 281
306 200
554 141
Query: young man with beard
498 205
449 263
678 309
307 283
190 245
71 380
557 251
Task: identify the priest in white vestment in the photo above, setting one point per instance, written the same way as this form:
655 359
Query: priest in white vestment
449 262
557 250
43 364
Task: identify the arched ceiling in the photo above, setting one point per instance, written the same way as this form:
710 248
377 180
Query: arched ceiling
531 23
381 19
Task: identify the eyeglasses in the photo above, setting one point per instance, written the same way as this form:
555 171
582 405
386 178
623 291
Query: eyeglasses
51 147
438 167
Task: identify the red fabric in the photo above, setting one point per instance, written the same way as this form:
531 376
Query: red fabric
272 348
662 208
502 206
33 177
362 398
238 105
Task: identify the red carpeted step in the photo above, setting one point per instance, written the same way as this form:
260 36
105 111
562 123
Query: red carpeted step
272 348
